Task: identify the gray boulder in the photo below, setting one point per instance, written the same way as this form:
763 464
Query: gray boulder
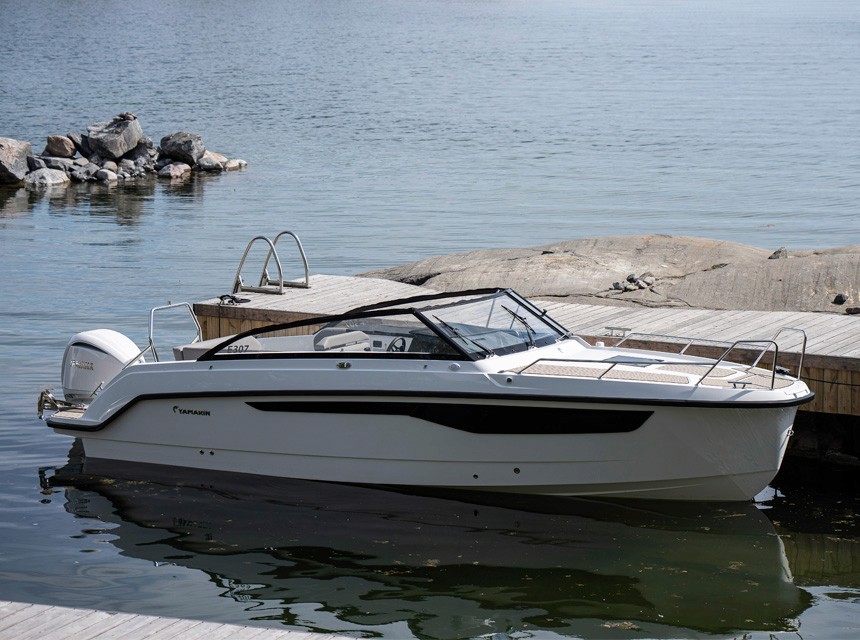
114 139
234 164
212 155
61 164
209 163
142 156
34 163
106 175
85 173
174 170
46 178
144 149
81 142
59 146
184 147
13 160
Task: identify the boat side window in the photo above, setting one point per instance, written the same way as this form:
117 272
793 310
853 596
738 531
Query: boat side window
402 333
367 334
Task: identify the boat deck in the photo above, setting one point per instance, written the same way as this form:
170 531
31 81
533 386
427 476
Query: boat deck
831 368
666 374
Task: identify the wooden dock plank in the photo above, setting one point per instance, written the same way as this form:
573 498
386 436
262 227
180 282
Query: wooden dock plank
733 325
25 621
149 627
62 622
677 323
840 339
196 631
685 323
15 614
695 322
846 344
709 324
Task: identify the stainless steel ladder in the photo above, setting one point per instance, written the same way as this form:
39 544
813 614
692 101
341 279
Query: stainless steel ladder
266 283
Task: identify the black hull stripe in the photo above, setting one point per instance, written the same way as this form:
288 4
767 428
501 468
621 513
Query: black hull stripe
454 397
480 418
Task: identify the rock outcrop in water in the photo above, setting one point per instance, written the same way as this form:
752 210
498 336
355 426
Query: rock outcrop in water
13 160
654 270
112 151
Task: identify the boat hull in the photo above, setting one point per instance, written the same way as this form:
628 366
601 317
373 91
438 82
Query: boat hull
725 453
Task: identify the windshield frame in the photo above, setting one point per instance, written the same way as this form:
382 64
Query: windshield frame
533 338
423 313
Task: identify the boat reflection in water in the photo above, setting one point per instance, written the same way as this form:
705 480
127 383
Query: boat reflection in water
449 566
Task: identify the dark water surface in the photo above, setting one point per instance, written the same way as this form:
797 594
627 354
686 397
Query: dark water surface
383 132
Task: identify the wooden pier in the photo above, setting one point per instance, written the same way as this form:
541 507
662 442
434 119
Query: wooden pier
25 621
831 366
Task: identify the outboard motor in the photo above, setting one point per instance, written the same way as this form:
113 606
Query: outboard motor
91 360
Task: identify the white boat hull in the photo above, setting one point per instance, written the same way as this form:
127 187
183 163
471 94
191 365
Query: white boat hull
726 454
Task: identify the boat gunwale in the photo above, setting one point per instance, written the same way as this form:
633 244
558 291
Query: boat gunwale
75 425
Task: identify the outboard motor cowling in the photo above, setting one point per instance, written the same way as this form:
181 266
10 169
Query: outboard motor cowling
91 360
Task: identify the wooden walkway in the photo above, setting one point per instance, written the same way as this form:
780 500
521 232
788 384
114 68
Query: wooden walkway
830 335
24 621
831 367
328 295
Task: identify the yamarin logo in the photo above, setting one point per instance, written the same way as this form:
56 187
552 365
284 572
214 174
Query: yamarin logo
191 412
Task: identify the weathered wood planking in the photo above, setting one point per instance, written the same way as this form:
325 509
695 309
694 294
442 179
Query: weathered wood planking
832 364
24 621
828 334
831 367
327 295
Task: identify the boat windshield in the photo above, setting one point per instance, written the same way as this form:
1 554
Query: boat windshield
493 325
470 326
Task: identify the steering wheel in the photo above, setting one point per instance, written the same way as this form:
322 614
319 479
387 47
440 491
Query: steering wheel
398 345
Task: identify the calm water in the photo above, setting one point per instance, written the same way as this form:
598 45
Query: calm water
383 132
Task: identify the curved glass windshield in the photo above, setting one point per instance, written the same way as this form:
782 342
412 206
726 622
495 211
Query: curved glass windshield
470 327
493 325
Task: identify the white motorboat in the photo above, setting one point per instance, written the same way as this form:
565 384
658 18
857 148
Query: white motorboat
471 390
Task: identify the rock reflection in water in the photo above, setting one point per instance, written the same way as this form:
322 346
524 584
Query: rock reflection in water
448 565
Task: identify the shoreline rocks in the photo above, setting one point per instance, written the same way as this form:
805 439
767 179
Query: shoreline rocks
653 271
112 151
13 160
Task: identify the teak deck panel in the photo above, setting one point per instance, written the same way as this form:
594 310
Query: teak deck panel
831 367
24 621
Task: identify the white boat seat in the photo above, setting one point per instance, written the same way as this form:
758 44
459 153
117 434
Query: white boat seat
342 341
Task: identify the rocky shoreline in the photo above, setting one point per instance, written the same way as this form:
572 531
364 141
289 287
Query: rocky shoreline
655 271
108 152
